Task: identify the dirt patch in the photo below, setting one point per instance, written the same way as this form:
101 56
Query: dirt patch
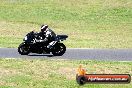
3 83
70 73
8 72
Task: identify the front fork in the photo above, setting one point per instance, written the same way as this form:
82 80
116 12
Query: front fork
51 44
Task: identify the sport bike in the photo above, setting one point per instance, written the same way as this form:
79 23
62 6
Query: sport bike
29 45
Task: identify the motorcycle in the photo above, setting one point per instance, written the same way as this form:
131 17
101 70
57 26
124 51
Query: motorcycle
31 46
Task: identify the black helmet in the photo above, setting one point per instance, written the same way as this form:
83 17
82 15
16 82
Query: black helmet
44 27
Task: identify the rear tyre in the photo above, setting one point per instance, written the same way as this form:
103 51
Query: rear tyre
59 49
23 49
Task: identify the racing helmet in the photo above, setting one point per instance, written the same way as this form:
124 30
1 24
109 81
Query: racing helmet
43 28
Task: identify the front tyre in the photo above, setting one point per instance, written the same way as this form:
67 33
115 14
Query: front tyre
59 49
23 49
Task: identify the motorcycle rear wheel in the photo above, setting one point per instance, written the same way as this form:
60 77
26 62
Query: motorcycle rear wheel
23 49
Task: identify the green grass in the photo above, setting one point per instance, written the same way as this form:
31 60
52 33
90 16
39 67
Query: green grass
44 73
89 23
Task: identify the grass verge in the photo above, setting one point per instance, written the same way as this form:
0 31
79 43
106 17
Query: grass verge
89 23
44 73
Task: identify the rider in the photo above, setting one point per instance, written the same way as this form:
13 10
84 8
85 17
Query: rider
47 36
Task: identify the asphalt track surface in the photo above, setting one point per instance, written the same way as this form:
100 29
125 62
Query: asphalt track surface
78 54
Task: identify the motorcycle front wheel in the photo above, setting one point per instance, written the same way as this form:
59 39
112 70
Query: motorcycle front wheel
23 49
59 49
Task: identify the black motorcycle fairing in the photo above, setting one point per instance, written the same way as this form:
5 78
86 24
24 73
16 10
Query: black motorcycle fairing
29 37
38 48
61 37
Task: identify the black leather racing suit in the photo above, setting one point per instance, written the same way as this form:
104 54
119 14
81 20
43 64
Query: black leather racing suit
48 36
